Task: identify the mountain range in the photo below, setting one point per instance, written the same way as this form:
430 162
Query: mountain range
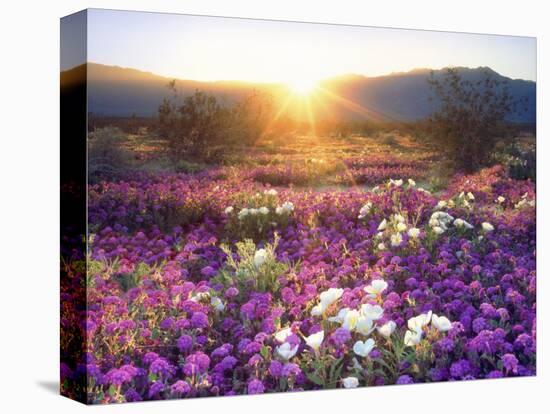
116 91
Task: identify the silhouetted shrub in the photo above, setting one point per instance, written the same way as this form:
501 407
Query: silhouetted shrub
193 128
470 118
107 159
200 127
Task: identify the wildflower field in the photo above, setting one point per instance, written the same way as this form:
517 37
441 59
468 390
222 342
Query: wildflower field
315 264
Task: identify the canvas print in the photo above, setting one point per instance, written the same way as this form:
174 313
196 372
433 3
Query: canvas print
254 206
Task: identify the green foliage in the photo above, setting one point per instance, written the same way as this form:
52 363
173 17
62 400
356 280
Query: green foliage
184 166
100 268
389 139
249 119
323 370
107 159
109 269
130 280
256 216
521 161
200 127
471 116
193 127
248 272
390 363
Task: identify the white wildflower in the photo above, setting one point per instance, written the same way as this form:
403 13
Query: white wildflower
217 304
364 348
365 210
243 213
260 257
416 323
328 297
396 239
288 206
350 320
412 338
441 323
460 223
364 325
340 316
376 287
286 351
413 232
487 227
399 218
283 334
373 312
315 340
387 329
350 382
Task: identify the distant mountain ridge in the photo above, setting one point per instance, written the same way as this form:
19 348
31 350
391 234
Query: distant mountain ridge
405 96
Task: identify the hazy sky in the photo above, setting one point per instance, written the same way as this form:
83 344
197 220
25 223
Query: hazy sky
208 48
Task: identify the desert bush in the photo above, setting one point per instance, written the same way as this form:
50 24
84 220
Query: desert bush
256 216
248 119
253 268
470 118
107 159
521 162
200 127
193 127
184 166
389 139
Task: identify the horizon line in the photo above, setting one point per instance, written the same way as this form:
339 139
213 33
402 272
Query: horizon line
282 82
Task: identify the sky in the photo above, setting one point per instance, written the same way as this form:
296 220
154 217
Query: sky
212 48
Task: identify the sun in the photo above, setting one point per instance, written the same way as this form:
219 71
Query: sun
303 86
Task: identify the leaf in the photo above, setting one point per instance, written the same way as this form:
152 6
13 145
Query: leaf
410 358
386 365
336 368
315 379
264 352
112 390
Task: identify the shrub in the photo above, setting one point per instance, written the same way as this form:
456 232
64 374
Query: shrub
200 127
471 116
256 216
389 139
184 166
520 162
248 119
253 269
194 127
107 159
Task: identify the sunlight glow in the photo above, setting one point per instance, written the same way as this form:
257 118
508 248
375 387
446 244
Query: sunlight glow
302 86
213 48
